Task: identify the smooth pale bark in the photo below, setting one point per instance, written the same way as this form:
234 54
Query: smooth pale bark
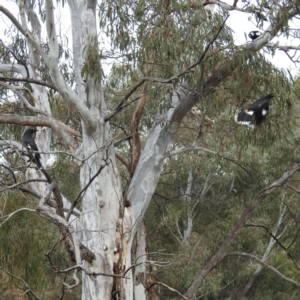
150 164
14 68
140 259
188 218
191 207
102 224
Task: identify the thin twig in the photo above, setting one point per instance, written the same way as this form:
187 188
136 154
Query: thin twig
275 271
23 281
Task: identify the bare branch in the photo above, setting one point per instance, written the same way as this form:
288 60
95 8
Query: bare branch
23 28
120 106
182 150
29 80
7 217
21 61
168 287
24 100
221 253
13 186
60 128
29 290
294 260
123 160
245 51
275 271
134 129
15 68
224 5
66 92
80 267
286 47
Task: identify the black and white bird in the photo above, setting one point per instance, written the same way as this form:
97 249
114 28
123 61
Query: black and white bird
257 111
253 35
29 143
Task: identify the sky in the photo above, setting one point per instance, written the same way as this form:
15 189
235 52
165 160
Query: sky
241 26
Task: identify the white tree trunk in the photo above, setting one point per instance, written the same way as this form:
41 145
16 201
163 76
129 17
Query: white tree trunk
108 228
102 229
140 259
188 218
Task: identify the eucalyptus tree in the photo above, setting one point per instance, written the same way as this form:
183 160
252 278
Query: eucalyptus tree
172 54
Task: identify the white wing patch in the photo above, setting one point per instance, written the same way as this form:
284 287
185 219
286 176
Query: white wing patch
242 122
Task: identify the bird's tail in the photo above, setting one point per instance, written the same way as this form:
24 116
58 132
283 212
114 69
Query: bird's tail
37 161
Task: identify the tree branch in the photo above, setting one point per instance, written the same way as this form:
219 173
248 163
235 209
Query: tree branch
22 62
60 128
28 80
23 281
272 269
16 68
224 5
7 217
82 268
277 241
123 160
245 51
66 92
23 28
24 100
51 33
13 186
168 287
222 251
120 106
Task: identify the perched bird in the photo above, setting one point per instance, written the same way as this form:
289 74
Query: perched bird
29 143
197 112
257 110
253 35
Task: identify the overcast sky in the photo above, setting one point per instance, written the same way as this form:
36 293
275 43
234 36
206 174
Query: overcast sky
241 26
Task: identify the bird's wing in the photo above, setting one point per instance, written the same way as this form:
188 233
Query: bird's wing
258 105
32 146
243 118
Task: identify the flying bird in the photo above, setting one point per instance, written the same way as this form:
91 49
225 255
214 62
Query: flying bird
253 35
29 143
257 110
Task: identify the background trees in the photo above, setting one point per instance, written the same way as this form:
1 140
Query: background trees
137 192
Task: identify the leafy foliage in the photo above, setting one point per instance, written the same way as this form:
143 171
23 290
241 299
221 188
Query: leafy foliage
169 44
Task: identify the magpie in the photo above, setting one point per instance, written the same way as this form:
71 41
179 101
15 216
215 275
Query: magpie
29 143
257 110
253 35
